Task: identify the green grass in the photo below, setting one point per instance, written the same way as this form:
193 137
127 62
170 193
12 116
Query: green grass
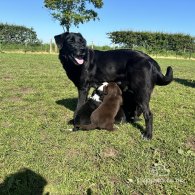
38 154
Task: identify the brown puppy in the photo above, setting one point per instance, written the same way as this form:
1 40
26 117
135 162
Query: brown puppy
103 116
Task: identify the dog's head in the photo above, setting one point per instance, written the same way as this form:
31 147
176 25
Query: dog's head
98 93
112 89
72 46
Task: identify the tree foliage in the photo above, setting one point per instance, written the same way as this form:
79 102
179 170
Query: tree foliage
155 41
13 34
74 12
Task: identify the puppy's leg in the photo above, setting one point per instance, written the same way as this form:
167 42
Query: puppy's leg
137 112
120 117
87 127
76 128
109 127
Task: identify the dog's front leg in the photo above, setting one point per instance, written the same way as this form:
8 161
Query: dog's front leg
82 98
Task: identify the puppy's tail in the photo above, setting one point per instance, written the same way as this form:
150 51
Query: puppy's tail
164 80
86 127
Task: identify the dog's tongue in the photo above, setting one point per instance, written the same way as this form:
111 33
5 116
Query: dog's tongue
79 61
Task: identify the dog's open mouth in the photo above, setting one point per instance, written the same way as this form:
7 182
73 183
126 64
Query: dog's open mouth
80 61
77 60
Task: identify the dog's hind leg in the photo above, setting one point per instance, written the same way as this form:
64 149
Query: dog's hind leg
148 116
143 99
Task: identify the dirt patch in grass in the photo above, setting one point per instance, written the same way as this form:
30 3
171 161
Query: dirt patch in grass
7 78
190 143
17 94
25 90
72 153
15 99
109 152
6 124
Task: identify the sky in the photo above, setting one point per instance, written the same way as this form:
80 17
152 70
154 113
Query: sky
169 16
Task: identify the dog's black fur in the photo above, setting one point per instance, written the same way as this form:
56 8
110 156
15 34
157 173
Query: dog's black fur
84 113
88 68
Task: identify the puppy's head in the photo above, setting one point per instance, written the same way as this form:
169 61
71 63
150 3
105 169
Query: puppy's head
98 93
72 46
101 87
112 89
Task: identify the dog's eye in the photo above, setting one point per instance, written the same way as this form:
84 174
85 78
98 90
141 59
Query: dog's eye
82 41
71 40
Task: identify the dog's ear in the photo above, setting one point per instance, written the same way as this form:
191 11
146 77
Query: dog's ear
119 90
59 39
105 89
83 39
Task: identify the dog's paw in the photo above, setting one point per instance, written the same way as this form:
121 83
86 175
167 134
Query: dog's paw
64 130
75 128
116 127
147 136
71 122
134 119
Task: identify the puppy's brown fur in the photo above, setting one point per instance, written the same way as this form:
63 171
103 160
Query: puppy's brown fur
103 116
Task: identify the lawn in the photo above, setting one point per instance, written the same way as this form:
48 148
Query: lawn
39 155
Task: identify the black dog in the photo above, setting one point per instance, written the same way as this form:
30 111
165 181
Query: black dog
88 68
84 113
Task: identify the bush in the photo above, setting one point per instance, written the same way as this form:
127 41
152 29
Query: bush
14 34
155 43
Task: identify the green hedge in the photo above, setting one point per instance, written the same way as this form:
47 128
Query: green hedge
154 42
14 34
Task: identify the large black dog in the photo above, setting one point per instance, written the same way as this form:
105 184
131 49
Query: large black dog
89 68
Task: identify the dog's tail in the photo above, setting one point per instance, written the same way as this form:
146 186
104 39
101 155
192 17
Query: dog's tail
86 127
164 80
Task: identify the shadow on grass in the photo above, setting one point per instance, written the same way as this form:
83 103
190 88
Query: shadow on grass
69 103
186 82
89 191
24 181
139 127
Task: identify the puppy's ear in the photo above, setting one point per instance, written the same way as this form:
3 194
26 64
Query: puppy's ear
119 91
119 83
59 39
105 90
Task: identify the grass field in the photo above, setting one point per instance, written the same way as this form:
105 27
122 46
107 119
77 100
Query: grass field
39 155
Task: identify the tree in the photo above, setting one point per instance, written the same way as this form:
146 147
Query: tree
17 34
153 41
74 12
